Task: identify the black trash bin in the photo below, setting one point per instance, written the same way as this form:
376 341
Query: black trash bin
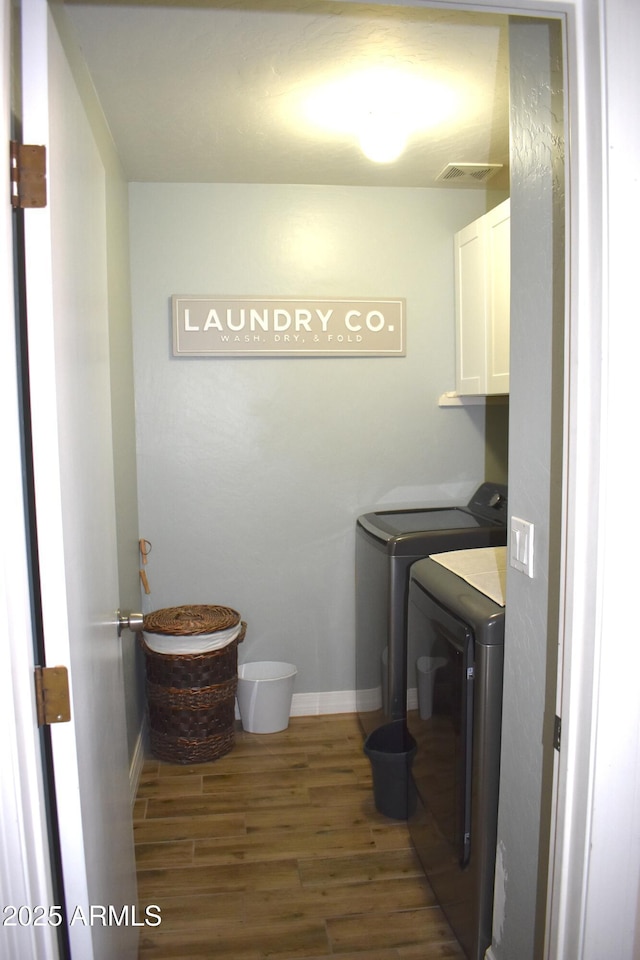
391 750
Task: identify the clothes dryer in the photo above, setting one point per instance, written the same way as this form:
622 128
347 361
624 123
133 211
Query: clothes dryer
388 542
458 633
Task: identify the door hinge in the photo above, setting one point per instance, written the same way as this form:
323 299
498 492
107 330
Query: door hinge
28 176
52 695
557 729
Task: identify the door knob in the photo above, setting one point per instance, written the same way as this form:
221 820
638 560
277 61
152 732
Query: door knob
129 621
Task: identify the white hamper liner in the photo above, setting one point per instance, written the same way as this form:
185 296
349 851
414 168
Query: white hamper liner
194 643
265 689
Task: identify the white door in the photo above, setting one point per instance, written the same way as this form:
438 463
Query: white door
471 310
68 339
24 848
498 246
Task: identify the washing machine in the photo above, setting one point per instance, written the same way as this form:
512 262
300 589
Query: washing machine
388 542
456 633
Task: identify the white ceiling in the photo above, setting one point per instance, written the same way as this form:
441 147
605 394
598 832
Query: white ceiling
212 90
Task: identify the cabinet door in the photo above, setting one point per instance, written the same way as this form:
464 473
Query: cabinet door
471 318
482 290
498 267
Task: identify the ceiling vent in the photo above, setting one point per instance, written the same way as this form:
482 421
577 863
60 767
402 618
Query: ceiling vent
468 172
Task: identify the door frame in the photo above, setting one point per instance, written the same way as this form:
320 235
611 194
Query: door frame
71 429
25 868
600 394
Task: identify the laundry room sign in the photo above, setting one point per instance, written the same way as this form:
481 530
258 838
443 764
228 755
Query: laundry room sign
278 327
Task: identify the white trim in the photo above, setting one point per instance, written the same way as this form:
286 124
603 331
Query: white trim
137 760
320 704
612 842
336 701
25 876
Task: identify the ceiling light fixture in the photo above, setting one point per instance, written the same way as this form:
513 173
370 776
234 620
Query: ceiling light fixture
381 107
383 137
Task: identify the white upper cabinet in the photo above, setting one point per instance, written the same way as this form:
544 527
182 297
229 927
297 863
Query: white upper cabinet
482 266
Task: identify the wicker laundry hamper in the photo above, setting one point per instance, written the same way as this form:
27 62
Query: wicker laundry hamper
191 696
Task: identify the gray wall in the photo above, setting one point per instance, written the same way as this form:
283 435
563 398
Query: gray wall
252 472
535 473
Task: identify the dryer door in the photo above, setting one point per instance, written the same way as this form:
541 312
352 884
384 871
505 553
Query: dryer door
442 725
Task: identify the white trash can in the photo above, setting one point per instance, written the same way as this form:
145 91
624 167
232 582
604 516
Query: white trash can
426 669
265 689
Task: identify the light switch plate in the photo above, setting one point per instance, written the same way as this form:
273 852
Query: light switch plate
521 545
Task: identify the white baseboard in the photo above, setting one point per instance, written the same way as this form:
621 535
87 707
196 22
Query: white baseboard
338 701
317 704
137 761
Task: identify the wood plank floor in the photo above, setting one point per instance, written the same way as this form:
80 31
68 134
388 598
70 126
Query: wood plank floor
276 851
